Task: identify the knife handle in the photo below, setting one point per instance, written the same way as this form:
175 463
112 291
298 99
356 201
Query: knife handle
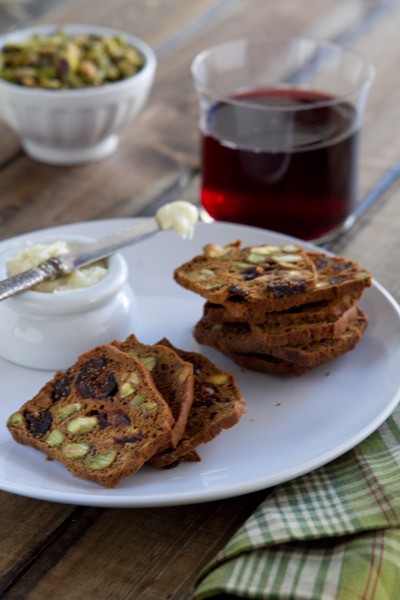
28 279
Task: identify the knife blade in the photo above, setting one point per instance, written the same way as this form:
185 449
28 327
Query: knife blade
58 266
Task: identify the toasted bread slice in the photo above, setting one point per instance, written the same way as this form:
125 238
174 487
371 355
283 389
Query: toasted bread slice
314 312
263 334
102 419
172 376
217 405
236 339
267 364
336 276
256 274
304 333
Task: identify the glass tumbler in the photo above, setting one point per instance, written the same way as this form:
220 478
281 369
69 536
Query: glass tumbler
280 124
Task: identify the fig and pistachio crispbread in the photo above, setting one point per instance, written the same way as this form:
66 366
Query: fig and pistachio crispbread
304 333
255 274
102 419
314 312
235 339
266 363
217 405
172 376
336 276
281 335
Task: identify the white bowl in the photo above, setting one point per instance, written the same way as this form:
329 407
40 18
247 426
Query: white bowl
68 127
50 330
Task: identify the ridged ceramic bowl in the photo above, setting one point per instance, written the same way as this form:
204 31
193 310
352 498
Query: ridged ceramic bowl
67 127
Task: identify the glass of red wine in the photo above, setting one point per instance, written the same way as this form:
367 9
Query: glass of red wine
280 125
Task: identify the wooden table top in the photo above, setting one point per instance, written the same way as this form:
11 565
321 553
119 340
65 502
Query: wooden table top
50 550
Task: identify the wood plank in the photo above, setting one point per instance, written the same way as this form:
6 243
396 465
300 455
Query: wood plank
15 14
143 554
25 526
380 148
374 241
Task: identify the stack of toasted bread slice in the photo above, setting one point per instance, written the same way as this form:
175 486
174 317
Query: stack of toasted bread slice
203 399
278 309
125 404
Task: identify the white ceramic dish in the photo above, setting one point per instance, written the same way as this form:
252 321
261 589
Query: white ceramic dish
292 425
48 330
67 127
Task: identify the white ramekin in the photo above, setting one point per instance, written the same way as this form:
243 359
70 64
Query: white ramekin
50 330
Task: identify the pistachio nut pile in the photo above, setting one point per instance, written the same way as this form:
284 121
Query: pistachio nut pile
62 61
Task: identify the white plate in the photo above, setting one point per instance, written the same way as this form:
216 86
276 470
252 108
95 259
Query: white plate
292 425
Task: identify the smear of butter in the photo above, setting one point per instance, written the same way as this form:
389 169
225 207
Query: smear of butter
179 215
32 255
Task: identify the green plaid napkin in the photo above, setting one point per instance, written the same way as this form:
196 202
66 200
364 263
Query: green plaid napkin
333 534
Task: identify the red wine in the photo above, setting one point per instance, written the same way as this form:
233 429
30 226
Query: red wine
291 171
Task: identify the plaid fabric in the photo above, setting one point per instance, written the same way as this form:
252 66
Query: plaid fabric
333 534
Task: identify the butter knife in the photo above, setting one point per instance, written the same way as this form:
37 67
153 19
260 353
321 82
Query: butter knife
58 266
